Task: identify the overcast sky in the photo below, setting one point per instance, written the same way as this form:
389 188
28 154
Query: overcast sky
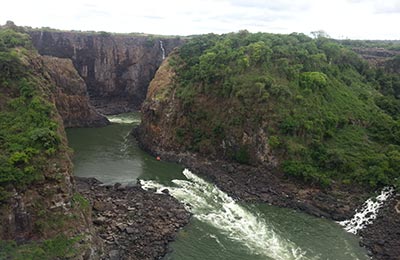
354 19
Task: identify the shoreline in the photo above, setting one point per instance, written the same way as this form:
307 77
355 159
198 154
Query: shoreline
266 185
132 223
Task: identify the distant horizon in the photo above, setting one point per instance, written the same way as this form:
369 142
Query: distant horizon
44 28
341 19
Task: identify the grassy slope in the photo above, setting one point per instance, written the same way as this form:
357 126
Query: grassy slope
315 100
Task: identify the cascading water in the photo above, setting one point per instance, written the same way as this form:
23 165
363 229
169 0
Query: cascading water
210 205
162 50
368 212
123 119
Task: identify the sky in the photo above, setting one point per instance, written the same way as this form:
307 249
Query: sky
340 19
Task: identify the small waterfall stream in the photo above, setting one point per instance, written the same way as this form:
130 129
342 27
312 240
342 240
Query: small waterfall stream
162 50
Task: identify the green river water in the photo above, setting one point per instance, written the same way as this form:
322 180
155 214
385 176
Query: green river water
221 228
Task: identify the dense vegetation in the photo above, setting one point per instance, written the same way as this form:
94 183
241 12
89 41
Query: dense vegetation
30 143
326 113
28 135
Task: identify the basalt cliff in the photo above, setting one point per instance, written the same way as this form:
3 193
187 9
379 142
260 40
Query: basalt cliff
117 69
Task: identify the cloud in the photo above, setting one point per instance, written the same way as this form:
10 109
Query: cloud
283 5
387 7
340 18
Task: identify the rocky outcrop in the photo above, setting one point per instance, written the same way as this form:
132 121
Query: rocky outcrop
133 223
164 116
376 56
382 236
116 68
71 96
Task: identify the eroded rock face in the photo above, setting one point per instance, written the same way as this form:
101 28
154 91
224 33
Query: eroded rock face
71 95
116 68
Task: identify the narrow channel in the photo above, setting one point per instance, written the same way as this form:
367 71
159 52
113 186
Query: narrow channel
221 228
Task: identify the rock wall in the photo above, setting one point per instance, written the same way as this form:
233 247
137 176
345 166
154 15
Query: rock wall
47 207
164 115
376 56
72 99
116 68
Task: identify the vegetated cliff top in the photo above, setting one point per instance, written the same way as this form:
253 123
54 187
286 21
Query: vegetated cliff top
37 201
312 107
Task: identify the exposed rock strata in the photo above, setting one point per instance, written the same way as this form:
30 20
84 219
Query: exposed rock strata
133 223
71 95
376 56
116 68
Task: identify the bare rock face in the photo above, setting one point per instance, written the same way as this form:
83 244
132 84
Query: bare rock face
116 68
71 95
376 56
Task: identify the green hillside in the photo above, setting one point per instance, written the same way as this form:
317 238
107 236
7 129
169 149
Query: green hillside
325 113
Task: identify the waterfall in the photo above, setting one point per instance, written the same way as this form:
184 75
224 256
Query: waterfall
162 49
214 207
367 213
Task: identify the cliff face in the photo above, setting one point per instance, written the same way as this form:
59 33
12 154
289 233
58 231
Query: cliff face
72 99
116 68
377 56
38 201
167 124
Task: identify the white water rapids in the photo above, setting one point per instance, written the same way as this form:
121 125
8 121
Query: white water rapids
214 207
367 213
123 120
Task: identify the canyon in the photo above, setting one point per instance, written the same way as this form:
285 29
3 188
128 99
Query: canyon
116 69
91 75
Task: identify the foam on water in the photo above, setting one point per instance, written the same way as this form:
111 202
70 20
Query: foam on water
209 204
123 120
367 213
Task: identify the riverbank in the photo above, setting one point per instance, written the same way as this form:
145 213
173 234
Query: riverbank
131 222
266 185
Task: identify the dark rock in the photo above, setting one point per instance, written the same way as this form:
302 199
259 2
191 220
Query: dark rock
71 96
130 230
131 226
117 69
382 237
114 255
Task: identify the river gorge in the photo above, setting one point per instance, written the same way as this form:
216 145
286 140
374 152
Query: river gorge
221 227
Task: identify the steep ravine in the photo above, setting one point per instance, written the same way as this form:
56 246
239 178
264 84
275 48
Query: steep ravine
116 68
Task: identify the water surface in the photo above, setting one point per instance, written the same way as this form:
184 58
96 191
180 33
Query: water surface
221 228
